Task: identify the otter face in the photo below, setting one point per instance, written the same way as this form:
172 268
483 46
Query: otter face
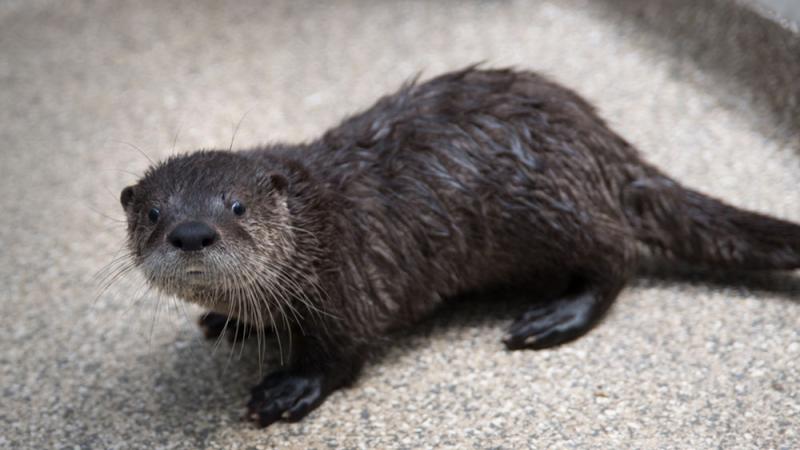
210 227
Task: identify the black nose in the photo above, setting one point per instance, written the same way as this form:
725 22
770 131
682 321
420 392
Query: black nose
192 236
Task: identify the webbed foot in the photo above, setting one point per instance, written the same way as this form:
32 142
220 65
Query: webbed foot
555 322
214 325
285 395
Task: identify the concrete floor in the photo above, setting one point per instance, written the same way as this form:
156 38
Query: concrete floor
681 362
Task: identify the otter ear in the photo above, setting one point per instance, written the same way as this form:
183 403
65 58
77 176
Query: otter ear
126 197
278 182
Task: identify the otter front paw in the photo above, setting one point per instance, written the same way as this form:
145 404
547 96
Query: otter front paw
214 325
287 395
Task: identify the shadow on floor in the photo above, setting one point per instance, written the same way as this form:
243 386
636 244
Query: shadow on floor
216 387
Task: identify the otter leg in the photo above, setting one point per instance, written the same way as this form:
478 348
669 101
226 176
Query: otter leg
558 321
286 394
290 394
587 299
214 325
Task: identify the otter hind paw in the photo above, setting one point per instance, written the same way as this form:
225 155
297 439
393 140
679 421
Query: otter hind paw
554 323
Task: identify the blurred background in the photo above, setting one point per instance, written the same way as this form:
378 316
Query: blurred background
708 90
788 9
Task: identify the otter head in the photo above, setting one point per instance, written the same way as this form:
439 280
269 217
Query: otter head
211 227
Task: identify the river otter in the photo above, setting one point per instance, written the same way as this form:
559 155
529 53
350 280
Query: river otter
474 179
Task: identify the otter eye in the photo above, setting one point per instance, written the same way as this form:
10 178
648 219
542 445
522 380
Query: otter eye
153 215
238 208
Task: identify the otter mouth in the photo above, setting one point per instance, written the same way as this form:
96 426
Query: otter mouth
187 276
196 275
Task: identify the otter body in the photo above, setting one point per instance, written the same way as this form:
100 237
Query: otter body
474 179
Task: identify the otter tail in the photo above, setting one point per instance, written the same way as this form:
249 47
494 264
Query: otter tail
698 229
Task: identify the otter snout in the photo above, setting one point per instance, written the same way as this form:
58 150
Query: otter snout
192 236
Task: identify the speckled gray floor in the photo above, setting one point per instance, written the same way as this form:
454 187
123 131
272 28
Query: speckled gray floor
679 363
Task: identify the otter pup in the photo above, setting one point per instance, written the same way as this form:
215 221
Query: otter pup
474 179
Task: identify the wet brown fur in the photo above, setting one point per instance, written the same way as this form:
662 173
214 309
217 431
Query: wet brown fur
474 179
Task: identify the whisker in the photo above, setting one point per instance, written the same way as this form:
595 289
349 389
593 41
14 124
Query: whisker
236 130
128 172
104 215
175 140
142 152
